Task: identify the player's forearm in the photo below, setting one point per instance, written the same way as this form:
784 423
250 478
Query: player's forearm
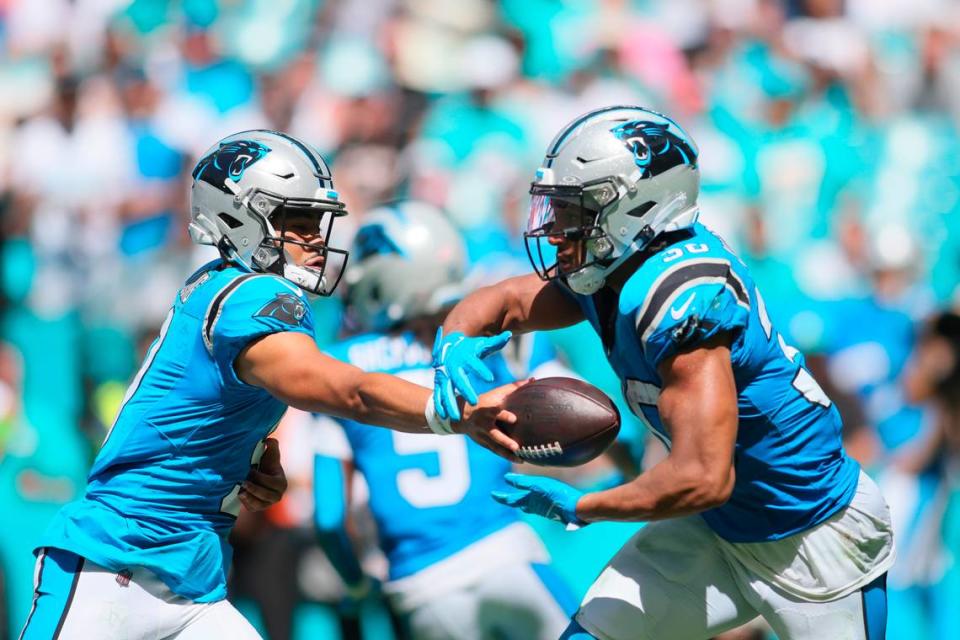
698 406
320 384
485 312
521 304
392 402
379 399
668 490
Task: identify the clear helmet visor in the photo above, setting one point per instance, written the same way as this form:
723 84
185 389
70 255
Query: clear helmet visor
558 228
541 212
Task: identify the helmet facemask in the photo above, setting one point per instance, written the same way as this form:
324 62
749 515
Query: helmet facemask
309 219
568 217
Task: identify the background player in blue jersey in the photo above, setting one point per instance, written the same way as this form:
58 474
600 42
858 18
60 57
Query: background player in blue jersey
461 566
144 554
757 508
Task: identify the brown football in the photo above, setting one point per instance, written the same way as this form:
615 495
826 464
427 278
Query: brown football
561 422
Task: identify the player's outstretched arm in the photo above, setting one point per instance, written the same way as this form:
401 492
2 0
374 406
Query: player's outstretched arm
291 367
698 404
520 304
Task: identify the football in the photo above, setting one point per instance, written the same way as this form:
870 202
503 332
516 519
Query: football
561 422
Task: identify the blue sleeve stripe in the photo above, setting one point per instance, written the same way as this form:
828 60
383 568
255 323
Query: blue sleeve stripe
668 305
675 280
216 307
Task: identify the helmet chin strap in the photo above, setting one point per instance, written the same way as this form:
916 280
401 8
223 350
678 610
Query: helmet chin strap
273 260
304 277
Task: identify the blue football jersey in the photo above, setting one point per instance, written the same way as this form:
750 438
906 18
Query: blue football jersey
163 490
791 469
429 495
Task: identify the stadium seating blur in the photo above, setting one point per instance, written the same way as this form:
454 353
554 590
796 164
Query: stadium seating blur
829 135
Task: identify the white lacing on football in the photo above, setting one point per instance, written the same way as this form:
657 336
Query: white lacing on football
540 451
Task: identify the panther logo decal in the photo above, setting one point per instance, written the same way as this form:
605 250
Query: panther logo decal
285 307
655 147
230 160
372 239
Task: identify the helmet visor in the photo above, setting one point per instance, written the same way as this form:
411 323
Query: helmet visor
559 227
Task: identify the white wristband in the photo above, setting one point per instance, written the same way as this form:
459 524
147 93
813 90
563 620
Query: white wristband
440 426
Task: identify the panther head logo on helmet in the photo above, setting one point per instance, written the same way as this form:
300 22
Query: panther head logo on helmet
230 160
655 147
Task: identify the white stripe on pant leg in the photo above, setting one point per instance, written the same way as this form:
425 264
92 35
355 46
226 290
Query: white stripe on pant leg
37 569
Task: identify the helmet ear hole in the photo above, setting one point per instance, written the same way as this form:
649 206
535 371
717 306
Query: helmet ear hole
229 220
638 212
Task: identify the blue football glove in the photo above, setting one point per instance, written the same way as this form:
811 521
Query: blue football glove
541 496
454 357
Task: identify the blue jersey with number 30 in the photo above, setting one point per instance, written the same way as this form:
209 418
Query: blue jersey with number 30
162 493
791 469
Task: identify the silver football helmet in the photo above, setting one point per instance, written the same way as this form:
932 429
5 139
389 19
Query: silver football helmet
246 186
408 261
627 174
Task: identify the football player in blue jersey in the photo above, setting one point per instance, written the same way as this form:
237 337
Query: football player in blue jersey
757 510
144 554
461 566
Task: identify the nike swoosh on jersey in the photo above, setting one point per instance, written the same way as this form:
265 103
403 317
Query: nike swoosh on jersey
676 314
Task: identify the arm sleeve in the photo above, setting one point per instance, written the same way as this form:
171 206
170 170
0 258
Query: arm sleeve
689 309
251 307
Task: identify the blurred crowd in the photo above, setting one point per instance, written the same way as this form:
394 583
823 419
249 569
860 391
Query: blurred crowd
830 159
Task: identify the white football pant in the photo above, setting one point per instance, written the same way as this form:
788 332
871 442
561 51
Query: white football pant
75 599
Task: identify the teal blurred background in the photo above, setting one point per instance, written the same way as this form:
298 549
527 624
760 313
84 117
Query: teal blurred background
830 161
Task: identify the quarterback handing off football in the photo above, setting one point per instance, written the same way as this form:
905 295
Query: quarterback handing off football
561 422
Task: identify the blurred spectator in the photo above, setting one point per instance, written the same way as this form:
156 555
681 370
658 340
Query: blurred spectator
829 150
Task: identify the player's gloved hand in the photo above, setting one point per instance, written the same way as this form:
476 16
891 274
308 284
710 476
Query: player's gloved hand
485 421
266 483
455 356
542 496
